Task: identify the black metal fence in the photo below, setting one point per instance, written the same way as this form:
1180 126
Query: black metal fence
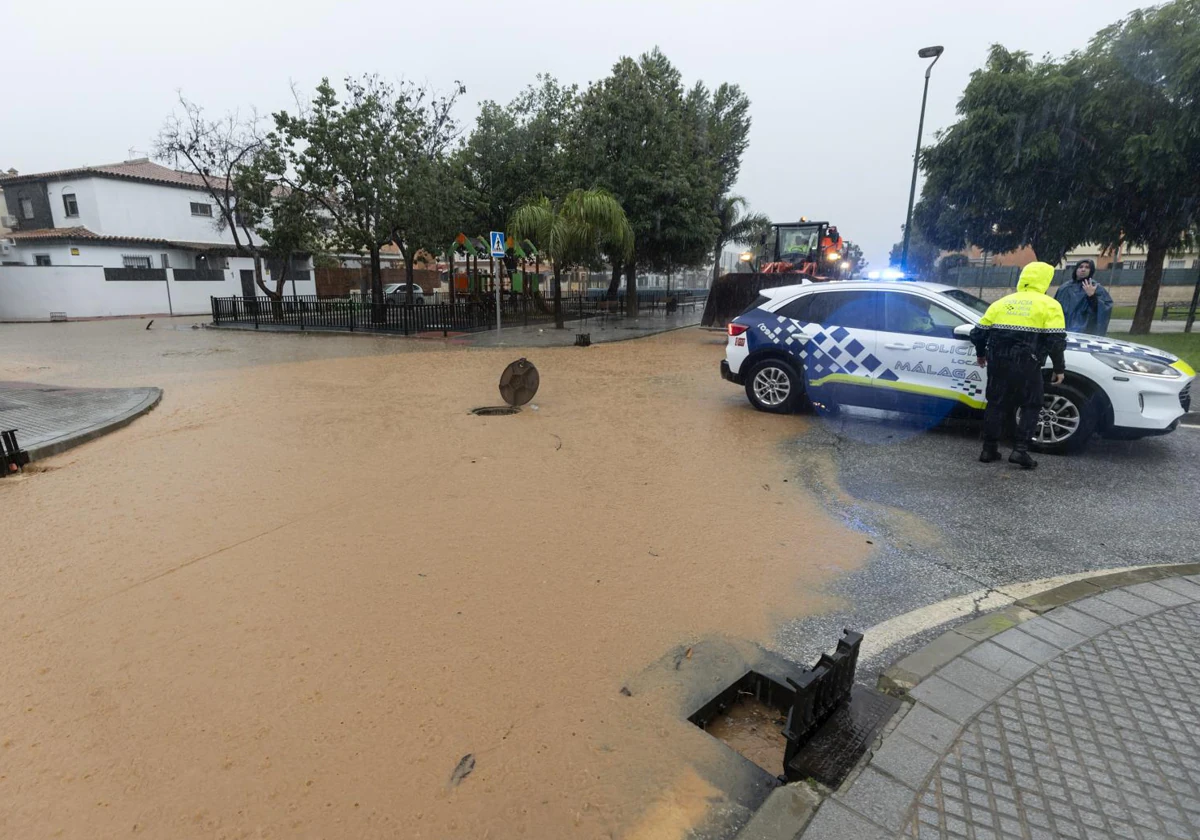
466 314
1005 276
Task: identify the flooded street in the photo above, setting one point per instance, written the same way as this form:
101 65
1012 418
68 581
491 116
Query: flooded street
295 597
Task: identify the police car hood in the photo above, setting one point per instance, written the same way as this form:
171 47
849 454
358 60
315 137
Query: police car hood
1099 344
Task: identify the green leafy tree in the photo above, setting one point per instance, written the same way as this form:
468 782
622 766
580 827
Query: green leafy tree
287 221
516 152
736 227
1144 113
1011 172
854 256
655 147
573 231
368 158
922 255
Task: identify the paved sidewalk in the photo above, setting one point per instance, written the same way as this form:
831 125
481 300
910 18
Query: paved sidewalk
50 419
1083 722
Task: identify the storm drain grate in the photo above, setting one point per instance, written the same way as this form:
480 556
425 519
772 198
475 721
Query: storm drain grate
496 410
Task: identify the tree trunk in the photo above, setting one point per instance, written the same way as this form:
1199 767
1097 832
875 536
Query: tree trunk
377 311
558 312
717 263
614 284
1191 319
409 261
631 294
450 264
1156 254
277 294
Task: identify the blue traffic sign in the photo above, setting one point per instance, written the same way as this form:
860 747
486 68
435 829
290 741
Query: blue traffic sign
498 246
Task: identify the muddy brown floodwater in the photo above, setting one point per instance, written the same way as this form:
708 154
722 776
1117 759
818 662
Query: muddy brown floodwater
295 597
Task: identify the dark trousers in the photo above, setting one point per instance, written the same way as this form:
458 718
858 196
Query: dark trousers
1012 385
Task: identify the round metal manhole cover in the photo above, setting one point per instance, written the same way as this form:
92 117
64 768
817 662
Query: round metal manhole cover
496 410
519 382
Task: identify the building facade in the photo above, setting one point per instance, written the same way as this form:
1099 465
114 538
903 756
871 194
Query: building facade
130 222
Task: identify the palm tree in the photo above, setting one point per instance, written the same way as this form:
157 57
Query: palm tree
735 228
572 231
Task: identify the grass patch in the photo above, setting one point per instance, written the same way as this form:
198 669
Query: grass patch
1125 312
1184 345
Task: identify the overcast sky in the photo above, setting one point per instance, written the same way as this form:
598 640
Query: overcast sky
835 87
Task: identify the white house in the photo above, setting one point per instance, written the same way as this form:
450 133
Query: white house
131 222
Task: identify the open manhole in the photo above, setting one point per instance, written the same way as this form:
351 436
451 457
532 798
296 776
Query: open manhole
518 384
496 410
749 717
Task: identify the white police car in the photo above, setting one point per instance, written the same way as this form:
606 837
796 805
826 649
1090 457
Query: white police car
904 347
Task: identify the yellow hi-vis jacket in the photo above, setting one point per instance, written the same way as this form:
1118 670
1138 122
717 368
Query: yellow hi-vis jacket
1027 325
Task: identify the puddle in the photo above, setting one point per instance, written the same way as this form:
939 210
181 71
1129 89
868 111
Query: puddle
754 730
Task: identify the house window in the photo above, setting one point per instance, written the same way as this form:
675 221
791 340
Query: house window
199 208
26 208
136 262
41 259
1177 264
70 205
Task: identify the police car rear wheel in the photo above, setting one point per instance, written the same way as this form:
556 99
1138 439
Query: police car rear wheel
773 386
1066 422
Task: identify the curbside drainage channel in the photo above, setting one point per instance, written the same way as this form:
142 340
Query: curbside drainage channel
1072 713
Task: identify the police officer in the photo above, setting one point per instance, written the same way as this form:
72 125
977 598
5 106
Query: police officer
1013 340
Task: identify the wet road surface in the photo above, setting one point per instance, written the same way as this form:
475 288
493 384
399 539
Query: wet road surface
944 525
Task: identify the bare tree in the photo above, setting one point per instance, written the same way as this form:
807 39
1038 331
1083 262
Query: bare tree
216 150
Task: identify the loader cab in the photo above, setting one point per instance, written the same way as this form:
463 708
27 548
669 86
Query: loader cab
795 243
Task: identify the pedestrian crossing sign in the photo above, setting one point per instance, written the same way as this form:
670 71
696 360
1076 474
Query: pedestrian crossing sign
498 245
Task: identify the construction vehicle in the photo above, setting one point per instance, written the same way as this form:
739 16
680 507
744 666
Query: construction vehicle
794 252
814 249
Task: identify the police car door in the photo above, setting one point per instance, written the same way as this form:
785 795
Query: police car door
839 353
927 368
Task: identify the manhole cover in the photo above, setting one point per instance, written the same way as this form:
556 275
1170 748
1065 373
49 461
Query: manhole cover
496 410
519 382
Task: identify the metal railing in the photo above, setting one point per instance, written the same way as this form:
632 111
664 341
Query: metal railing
466 314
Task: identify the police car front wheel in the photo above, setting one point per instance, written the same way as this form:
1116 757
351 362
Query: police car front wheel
1067 420
773 386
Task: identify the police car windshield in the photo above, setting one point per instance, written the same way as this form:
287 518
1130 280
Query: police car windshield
967 299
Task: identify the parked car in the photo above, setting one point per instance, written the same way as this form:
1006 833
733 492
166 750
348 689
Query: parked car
398 293
903 346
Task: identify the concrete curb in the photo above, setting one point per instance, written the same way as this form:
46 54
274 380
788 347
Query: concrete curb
960 673
54 447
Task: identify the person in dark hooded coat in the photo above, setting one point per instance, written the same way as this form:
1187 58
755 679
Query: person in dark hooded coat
1086 304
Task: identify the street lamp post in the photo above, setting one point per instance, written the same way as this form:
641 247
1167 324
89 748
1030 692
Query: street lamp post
927 52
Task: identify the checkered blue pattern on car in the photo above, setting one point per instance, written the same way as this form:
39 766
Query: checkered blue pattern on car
825 350
1096 344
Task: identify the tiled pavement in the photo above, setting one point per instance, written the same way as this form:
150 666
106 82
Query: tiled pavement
1081 723
50 419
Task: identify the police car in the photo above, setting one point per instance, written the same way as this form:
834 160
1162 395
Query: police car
904 347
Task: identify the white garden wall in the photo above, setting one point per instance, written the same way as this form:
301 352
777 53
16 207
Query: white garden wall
31 293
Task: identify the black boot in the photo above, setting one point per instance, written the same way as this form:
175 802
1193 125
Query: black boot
1021 458
990 453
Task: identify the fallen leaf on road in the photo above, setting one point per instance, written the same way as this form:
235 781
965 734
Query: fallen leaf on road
465 765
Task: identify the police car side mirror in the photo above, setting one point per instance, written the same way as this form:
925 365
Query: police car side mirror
963 330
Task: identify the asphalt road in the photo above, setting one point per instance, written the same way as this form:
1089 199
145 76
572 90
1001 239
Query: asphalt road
945 525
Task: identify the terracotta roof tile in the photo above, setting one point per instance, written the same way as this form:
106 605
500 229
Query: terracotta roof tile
142 169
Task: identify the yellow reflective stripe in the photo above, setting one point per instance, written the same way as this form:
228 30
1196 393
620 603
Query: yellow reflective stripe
1184 368
909 387
841 377
930 391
